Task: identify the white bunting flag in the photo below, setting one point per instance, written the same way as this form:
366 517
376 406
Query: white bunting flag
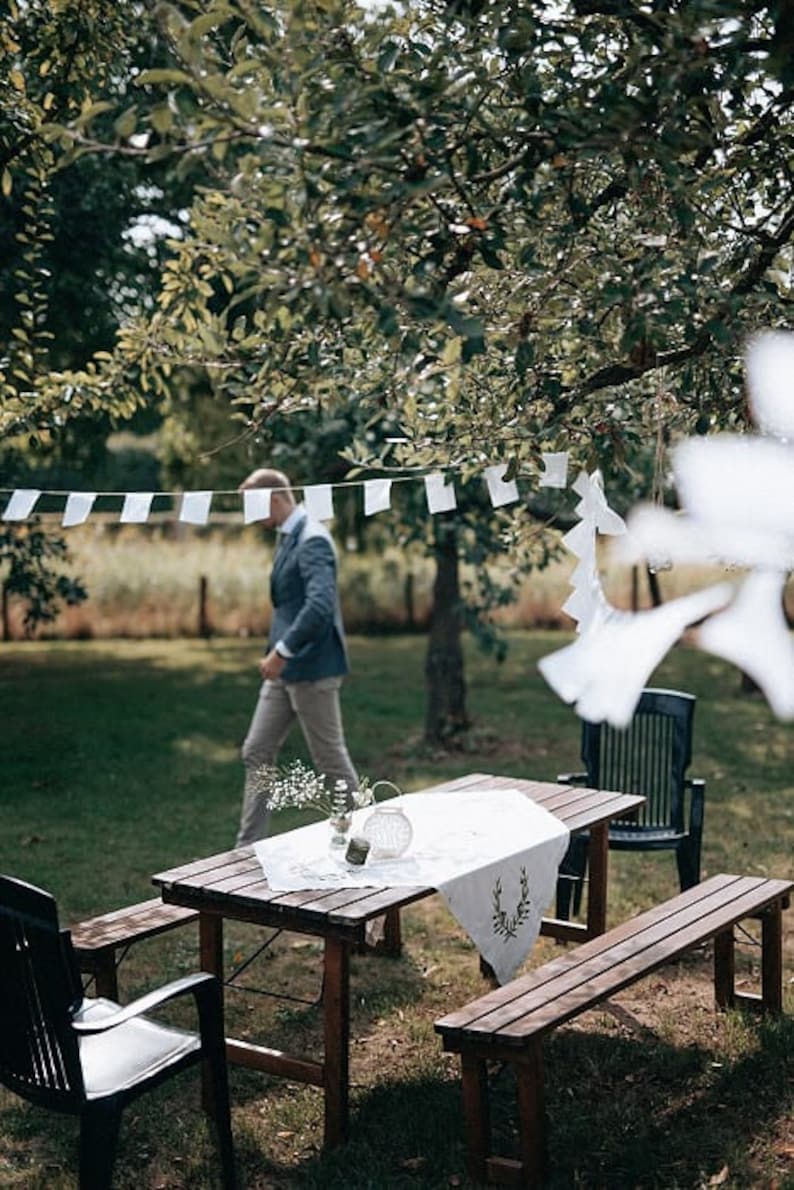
440 494
256 504
580 540
555 474
21 504
319 501
136 508
78 506
195 508
377 496
500 490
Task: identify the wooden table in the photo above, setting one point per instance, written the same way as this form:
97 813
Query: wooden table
232 885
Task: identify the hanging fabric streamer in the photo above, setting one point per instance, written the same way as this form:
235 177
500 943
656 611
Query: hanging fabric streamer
78 506
256 504
500 490
440 494
195 508
319 502
21 504
555 473
377 496
136 508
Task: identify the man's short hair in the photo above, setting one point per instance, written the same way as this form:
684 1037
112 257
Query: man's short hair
266 477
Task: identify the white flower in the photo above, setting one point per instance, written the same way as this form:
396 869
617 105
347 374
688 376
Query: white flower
303 789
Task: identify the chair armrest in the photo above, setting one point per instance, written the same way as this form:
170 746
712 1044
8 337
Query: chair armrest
193 985
697 789
572 778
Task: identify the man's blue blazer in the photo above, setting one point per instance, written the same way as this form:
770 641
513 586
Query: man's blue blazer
306 612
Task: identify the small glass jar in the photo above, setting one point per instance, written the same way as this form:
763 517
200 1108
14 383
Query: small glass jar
357 851
340 825
389 832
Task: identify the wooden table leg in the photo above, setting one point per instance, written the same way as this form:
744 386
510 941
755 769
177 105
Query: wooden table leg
211 959
336 1026
211 943
392 934
597 860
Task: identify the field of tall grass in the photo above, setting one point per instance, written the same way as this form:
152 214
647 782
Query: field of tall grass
147 582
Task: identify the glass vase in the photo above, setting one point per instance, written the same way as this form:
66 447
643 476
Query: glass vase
340 831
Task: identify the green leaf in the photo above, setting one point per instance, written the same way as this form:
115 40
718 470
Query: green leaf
126 124
160 75
388 57
472 347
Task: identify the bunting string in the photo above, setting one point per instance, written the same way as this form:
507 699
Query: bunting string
195 507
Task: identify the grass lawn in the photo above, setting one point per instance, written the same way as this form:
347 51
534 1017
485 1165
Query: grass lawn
120 758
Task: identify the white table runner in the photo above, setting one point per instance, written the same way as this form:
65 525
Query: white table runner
493 854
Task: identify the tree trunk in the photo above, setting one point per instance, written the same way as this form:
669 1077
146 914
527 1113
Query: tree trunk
445 682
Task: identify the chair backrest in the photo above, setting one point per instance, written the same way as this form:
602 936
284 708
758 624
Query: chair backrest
39 1056
650 757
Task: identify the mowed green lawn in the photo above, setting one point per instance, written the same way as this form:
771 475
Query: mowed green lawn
122 758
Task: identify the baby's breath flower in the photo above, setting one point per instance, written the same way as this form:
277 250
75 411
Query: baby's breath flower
302 788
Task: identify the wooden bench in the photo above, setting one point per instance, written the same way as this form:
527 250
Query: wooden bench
98 939
508 1024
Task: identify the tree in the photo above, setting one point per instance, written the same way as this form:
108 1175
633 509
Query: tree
71 264
516 227
31 558
483 217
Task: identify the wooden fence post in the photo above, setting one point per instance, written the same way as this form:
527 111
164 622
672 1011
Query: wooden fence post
204 627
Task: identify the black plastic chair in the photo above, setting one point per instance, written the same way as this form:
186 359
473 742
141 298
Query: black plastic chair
649 757
87 1057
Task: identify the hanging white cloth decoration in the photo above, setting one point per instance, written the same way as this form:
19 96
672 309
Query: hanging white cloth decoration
319 501
136 508
555 469
21 504
440 494
256 504
78 506
593 504
770 382
737 496
500 490
195 508
587 597
604 671
581 540
753 634
377 496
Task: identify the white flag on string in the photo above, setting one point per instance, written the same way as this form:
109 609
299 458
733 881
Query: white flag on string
21 504
501 491
440 494
555 473
78 506
256 504
319 501
195 508
136 508
377 496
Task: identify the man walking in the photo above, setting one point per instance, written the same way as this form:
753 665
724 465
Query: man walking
306 661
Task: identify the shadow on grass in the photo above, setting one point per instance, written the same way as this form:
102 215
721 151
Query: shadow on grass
625 1112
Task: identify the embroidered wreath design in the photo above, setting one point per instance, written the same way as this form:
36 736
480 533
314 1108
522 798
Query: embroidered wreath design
505 923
